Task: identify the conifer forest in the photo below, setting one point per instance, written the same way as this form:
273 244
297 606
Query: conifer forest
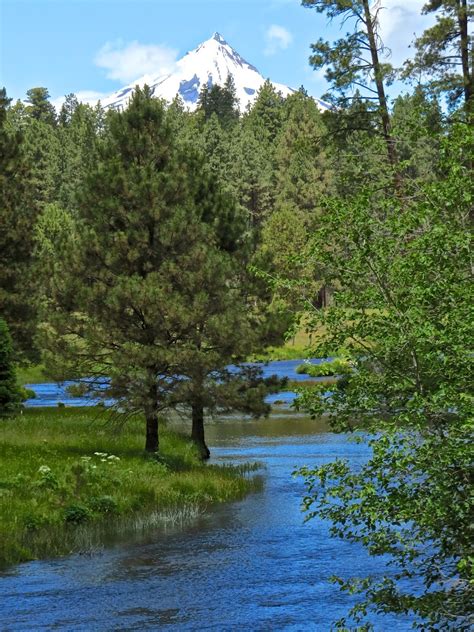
155 257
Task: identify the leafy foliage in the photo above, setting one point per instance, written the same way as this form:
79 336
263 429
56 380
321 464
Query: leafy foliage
402 312
336 366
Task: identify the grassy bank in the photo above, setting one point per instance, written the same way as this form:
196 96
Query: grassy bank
66 480
295 348
33 374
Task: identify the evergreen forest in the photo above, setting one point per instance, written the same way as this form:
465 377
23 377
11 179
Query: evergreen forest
149 253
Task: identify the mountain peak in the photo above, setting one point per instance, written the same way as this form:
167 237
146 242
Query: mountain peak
218 37
208 64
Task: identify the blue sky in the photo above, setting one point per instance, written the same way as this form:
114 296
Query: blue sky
100 45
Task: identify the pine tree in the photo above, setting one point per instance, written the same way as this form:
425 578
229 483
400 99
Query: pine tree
418 127
252 170
356 151
216 144
150 285
302 171
356 60
265 117
444 52
40 107
68 108
229 103
10 396
78 136
303 179
18 213
41 147
220 101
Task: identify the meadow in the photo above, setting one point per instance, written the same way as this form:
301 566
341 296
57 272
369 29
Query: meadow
71 477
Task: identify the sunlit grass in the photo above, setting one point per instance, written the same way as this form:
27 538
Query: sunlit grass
56 492
297 347
32 374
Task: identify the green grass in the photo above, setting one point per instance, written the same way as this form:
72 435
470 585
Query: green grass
57 496
295 384
337 366
295 348
33 374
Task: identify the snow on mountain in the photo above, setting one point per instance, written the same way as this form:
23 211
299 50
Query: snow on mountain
211 62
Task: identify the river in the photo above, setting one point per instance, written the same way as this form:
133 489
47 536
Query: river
52 393
247 565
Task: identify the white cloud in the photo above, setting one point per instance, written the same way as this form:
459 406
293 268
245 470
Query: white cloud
126 62
400 21
277 38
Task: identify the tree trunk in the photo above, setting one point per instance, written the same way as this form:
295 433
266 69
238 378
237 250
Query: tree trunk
197 432
152 441
322 298
467 72
384 113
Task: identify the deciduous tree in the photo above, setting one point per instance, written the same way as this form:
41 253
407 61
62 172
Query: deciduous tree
402 313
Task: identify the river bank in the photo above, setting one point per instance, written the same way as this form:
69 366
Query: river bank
253 564
65 477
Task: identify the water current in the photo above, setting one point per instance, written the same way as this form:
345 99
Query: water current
247 565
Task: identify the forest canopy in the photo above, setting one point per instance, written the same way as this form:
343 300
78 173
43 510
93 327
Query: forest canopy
154 250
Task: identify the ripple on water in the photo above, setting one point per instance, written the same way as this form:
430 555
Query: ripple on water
249 565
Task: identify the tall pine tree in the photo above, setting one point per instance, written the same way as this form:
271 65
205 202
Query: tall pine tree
18 212
150 290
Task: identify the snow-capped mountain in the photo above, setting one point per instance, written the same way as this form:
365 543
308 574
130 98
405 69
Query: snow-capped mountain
210 63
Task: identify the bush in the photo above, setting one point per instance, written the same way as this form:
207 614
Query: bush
338 366
27 393
104 504
76 514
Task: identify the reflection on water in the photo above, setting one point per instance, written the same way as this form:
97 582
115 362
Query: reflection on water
250 565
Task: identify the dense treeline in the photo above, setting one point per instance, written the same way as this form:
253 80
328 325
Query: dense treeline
152 248
276 162
395 249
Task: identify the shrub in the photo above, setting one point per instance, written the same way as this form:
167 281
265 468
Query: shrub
337 366
48 479
76 514
104 504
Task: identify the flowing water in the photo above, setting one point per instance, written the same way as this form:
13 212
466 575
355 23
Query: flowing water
50 393
248 565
